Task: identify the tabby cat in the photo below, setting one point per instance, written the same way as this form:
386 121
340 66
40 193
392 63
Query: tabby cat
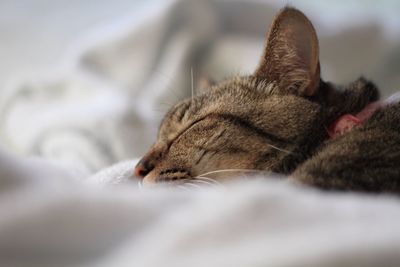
285 119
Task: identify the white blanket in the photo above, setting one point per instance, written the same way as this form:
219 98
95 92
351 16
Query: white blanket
66 208
50 220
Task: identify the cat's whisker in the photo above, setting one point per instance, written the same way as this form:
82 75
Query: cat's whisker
280 149
207 180
204 182
191 78
192 185
231 170
182 181
183 187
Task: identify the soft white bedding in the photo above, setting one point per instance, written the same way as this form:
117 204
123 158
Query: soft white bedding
67 208
53 220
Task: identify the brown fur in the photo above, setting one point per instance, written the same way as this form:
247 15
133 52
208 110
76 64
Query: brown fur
276 120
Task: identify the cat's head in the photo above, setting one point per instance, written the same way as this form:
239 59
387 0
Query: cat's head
271 120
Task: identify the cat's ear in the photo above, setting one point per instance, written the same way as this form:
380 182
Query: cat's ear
291 58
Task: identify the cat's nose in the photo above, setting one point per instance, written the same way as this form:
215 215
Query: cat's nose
143 168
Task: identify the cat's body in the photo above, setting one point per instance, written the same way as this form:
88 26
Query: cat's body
277 120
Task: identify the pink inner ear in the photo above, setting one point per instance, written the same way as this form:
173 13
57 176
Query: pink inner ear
343 125
348 121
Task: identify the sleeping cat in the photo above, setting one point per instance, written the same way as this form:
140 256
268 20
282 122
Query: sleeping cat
285 119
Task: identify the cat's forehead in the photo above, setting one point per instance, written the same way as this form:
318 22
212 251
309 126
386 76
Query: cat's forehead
233 96
235 92
246 85
228 96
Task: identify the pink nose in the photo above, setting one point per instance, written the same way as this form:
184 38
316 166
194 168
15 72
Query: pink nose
143 168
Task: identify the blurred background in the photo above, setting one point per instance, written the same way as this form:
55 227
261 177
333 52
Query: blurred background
86 82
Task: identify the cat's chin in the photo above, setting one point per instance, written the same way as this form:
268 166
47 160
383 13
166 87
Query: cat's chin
149 180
